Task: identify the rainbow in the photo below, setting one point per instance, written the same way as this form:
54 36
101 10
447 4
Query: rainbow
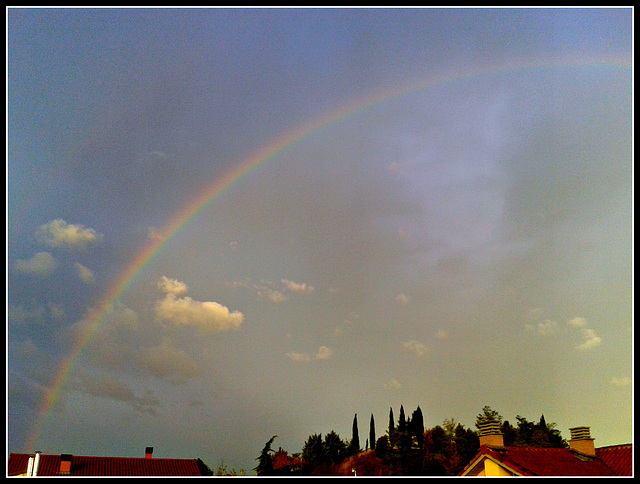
96 316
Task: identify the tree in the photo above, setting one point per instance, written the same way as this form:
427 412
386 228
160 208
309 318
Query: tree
487 415
335 449
417 427
401 420
391 421
541 434
372 433
313 452
265 464
355 440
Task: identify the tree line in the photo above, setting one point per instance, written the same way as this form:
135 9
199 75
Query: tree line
406 447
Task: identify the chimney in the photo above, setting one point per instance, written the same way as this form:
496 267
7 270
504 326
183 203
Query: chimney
148 453
36 464
581 441
491 435
65 464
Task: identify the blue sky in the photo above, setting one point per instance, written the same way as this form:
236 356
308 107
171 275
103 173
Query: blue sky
464 244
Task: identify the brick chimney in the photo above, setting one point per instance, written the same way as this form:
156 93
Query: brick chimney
148 453
581 441
491 435
65 464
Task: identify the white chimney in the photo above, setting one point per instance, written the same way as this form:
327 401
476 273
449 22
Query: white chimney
36 464
581 441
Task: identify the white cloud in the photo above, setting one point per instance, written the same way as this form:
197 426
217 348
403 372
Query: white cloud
442 334
208 316
541 328
415 347
172 286
392 384
277 296
59 233
323 353
591 340
577 322
84 273
42 265
298 357
154 234
623 381
297 287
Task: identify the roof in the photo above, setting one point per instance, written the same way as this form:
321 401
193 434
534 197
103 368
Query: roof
106 466
548 461
619 458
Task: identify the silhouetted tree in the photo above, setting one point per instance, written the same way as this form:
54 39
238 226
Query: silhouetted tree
417 427
265 464
391 421
372 433
335 449
354 448
313 452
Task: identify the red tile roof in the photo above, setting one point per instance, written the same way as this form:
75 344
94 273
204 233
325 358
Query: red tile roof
106 466
546 461
619 458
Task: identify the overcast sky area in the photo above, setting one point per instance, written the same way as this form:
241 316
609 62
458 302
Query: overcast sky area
462 243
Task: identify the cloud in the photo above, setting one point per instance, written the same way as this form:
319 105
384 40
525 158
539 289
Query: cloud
107 386
302 288
172 286
415 348
123 343
207 315
84 273
577 322
623 381
591 340
402 299
322 354
442 334
392 384
298 357
42 265
59 233
165 361
541 328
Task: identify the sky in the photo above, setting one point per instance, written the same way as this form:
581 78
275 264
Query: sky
416 207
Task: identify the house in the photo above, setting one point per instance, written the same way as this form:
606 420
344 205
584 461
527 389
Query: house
582 458
75 465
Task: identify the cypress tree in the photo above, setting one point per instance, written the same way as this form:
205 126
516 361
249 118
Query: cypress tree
391 421
417 426
401 421
355 440
372 432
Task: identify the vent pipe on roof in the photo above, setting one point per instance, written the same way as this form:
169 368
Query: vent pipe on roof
36 465
581 441
148 452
